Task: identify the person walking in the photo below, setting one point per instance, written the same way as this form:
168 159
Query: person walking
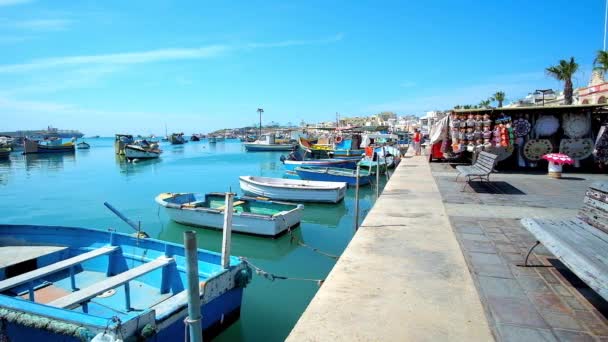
417 141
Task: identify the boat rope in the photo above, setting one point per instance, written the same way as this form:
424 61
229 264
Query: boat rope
273 277
295 239
187 322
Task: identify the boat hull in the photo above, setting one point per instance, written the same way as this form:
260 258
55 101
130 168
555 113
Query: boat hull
294 194
291 165
138 153
32 147
329 175
255 147
83 146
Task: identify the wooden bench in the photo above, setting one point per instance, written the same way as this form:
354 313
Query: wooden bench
53 268
481 169
580 243
76 298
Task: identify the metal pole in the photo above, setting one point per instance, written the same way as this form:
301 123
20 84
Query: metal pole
228 207
377 174
357 198
605 24
194 298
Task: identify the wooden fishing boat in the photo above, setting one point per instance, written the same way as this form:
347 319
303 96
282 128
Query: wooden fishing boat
251 215
320 149
83 146
49 146
293 190
142 150
75 284
333 174
120 141
5 152
372 166
177 139
291 165
195 137
268 143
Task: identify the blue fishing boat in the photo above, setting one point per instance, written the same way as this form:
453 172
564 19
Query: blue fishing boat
291 165
332 174
77 284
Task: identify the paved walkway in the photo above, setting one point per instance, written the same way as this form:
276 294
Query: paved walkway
522 304
402 277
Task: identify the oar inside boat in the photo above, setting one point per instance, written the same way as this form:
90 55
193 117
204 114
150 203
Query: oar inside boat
137 227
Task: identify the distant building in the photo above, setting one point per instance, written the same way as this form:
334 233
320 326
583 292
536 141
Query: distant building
596 92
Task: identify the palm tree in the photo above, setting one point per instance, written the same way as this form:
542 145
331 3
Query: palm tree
601 61
564 72
499 97
484 103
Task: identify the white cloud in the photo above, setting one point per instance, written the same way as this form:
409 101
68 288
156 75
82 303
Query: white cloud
13 2
42 24
287 43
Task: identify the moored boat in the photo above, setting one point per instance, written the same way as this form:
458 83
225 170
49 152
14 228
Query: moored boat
80 284
120 141
212 139
251 215
293 190
142 150
291 165
54 145
372 166
177 139
331 174
83 145
268 143
4 152
195 137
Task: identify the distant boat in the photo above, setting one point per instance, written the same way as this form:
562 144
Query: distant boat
220 138
48 146
251 216
212 139
177 139
195 137
293 190
80 284
83 146
331 174
5 152
142 150
266 144
120 141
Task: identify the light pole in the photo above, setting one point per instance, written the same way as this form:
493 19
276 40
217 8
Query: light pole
260 111
543 91
605 24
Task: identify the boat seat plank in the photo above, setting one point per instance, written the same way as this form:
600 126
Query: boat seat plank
12 255
56 267
237 203
75 298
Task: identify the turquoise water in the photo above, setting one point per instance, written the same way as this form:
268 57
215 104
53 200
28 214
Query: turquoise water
69 190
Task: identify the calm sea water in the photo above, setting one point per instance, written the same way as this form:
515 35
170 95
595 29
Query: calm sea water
69 190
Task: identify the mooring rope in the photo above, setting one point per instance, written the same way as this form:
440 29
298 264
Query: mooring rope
273 277
314 249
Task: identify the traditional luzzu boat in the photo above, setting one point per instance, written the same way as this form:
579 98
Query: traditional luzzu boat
77 284
293 190
142 150
48 146
322 148
5 152
120 141
372 166
331 174
295 159
177 139
268 144
251 215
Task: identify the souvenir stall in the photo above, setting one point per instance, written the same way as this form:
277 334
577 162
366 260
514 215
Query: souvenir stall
521 136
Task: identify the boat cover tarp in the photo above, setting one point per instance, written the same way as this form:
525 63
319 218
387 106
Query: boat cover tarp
439 131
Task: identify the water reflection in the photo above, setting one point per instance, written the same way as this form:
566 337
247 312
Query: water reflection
324 214
135 167
51 162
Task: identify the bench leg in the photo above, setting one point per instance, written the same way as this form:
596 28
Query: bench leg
528 255
458 175
466 182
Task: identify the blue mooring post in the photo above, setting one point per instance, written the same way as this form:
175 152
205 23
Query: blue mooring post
194 298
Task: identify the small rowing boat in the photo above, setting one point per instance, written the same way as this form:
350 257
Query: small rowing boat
142 149
293 190
251 215
333 174
83 146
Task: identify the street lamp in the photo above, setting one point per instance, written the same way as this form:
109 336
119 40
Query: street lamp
543 91
260 110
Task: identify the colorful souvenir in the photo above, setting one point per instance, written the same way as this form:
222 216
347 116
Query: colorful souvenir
577 149
521 127
600 153
534 149
546 125
576 125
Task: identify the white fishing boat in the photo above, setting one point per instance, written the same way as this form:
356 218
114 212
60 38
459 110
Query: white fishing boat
251 215
293 189
267 143
83 145
142 150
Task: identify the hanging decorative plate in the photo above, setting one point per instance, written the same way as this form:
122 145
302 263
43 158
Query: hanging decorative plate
546 125
577 149
521 127
502 152
534 149
576 125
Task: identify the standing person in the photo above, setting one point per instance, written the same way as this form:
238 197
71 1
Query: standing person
417 141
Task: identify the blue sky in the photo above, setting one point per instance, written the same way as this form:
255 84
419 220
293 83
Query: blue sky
132 66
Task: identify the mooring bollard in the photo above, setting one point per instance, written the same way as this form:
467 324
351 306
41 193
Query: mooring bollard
194 298
228 208
357 198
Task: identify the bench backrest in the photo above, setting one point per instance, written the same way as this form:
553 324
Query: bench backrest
485 161
595 206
